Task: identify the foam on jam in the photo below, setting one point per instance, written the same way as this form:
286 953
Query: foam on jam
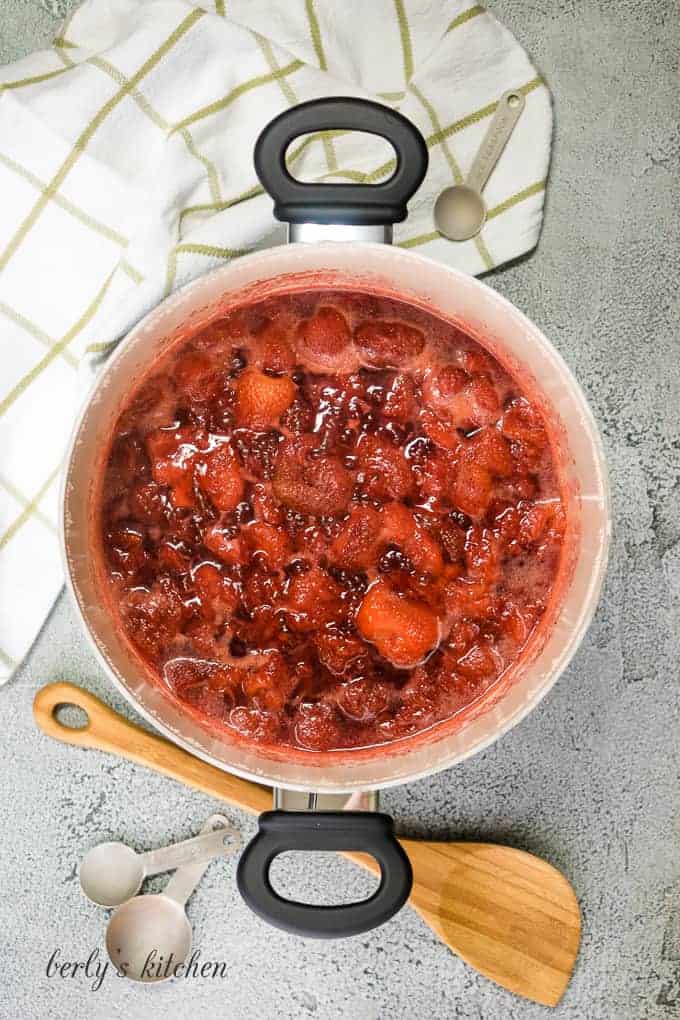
330 521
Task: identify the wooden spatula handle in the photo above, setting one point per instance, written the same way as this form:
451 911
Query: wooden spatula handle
105 730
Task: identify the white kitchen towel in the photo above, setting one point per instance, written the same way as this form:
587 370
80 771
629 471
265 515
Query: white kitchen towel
126 169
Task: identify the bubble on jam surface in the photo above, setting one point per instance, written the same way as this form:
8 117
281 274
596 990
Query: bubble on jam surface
351 548
388 344
404 630
309 483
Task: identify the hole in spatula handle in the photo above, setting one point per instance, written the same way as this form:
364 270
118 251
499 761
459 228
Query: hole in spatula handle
70 717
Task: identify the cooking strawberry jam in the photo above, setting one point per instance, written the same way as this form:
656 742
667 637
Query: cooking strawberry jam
330 520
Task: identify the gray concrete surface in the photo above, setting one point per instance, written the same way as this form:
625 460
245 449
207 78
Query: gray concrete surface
590 779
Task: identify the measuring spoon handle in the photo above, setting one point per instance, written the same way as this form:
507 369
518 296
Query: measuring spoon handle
186 878
508 111
200 849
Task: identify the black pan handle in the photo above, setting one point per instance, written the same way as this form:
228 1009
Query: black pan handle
364 831
361 204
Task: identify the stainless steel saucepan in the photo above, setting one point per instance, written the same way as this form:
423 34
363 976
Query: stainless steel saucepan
340 238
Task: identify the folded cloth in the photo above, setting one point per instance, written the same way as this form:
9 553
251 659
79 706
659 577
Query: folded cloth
126 170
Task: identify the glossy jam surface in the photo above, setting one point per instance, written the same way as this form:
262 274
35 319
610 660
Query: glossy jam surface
330 521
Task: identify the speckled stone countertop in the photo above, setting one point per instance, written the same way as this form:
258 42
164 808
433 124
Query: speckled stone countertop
589 780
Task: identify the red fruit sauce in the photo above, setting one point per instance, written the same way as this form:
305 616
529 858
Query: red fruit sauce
330 521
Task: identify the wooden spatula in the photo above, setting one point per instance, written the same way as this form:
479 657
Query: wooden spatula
510 915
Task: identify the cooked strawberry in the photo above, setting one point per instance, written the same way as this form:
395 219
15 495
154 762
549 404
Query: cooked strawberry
399 403
324 339
174 555
313 600
435 474
363 699
441 384
268 541
491 450
340 653
462 635
451 534
480 662
403 630
465 402
388 343
518 621
265 506
469 601
217 594
472 488
224 544
415 710
440 431
255 723
403 529
310 484
522 422
195 375
356 547
475 360
173 453
148 502
299 417
202 636
257 452
483 554
208 686
384 471
219 476
318 726
126 548
261 592
261 399
267 683
274 352
154 615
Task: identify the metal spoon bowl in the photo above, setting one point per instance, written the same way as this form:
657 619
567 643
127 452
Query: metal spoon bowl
460 211
111 873
143 925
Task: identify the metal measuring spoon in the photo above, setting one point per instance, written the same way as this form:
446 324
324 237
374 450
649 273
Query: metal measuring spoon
148 937
460 211
112 873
